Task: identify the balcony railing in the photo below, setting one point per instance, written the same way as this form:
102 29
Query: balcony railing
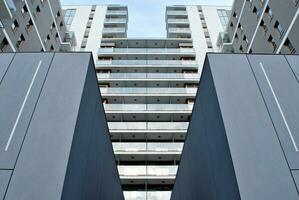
114 30
147 170
150 195
155 90
115 20
148 107
179 30
147 50
116 12
148 76
148 125
148 62
176 12
147 147
178 21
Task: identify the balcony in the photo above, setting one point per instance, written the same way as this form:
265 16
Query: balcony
141 76
179 30
115 20
224 43
148 107
116 12
177 21
147 147
172 63
148 126
7 9
150 195
114 30
146 51
128 171
176 12
155 91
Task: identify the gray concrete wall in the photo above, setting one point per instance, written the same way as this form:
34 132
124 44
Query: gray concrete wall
242 139
54 136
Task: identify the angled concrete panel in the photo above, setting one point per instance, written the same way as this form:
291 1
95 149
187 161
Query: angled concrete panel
5 61
19 91
65 150
233 150
4 180
280 90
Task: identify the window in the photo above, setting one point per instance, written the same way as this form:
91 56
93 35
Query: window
289 46
240 27
269 12
37 9
51 48
20 41
43 2
29 25
279 28
56 36
3 44
263 25
14 26
256 11
24 10
58 14
68 17
224 17
245 39
241 49
52 27
272 42
61 24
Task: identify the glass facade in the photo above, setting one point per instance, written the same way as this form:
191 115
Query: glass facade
224 17
68 17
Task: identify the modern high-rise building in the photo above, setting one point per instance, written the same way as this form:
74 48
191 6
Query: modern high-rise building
148 86
262 26
33 25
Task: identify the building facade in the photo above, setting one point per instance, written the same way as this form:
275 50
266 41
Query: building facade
262 26
33 25
148 86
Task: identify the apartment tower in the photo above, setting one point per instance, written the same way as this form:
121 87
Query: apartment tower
33 25
262 26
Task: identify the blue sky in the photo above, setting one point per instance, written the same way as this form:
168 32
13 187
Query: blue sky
147 17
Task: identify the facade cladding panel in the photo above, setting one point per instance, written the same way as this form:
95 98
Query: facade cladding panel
242 138
54 136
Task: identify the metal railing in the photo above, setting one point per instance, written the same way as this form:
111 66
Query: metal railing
154 90
177 12
147 50
179 30
147 147
148 76
150 195
129 170
148 107
148 125
114 30
148 62
115 20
